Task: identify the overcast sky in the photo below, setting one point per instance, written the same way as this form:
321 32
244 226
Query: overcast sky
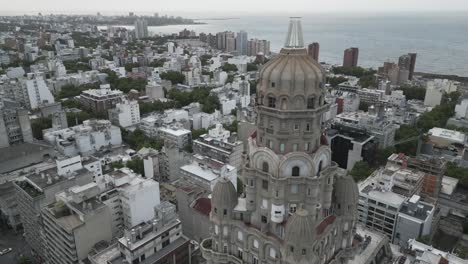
207 7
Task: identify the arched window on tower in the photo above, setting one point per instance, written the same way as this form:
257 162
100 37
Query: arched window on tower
283 104
265 166
311 103
271 102
295 171
320 167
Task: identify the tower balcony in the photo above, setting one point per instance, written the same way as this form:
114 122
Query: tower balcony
214 257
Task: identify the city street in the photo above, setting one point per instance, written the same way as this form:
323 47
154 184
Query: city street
9 239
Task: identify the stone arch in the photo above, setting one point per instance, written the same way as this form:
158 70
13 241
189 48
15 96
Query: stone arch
298 102
297 159
266 249
270 101
265 155
322 159
283 102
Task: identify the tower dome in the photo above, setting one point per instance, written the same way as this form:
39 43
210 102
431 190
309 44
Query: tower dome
224 196
292 75
346 194
291 98
300 229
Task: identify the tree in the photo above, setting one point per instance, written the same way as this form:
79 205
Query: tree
383 154
173 76
117 164
367 81
230 78
252 67
71 90
39 124
424 239
136 164
196 133
413 92
205 59
157 63
334 81
454 171
75 66
353 71
232 127
74 119
363 106
361 171
129 66
24 260
228 67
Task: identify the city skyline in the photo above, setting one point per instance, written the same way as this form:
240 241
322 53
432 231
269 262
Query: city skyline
300 7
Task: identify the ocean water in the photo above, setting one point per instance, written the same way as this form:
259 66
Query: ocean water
441 40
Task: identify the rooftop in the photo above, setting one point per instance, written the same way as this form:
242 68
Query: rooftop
452 135
370 245
175 132
416 209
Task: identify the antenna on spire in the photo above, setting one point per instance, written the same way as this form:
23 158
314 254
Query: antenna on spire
294 40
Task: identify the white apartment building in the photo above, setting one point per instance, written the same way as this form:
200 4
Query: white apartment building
36 91
85 139
125 113
433 96
175 136
205 172
130 198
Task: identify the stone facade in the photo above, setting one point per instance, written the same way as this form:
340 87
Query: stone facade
297 206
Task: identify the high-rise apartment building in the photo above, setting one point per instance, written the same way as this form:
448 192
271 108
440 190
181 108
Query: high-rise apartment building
299 207
350 58
15 126
412 64
102 99
256 46
141 28
125 114
241 43
314 50
35 91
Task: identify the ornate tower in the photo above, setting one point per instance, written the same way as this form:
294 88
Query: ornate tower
298 206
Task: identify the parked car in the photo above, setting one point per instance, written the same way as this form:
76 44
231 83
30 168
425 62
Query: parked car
5 251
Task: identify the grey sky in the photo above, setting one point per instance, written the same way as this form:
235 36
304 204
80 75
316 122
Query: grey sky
207 7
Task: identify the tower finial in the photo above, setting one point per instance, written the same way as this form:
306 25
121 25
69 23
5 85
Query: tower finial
294 39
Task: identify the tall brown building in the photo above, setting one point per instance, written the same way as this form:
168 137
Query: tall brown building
313 50
408 62
412 64
350 58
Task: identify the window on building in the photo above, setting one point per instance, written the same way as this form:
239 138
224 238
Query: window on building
265 184
255 243
307 127
295 171
264 219
240 236
255 260
270 144
264 203
224 212
307 146
304 251
265 167
282 147
291 248
295 147
271 102
216 229
320 166
294 188
272 253
240 253
296 126
225 248
273 84
225 231
310 103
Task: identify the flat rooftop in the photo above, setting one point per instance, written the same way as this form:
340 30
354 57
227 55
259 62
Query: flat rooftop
370 245
204 173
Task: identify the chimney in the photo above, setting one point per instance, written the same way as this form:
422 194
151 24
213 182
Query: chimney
133 234
90 206
140 232
49 179
42 175
155 225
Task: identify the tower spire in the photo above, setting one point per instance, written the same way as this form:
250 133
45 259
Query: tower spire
294 40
